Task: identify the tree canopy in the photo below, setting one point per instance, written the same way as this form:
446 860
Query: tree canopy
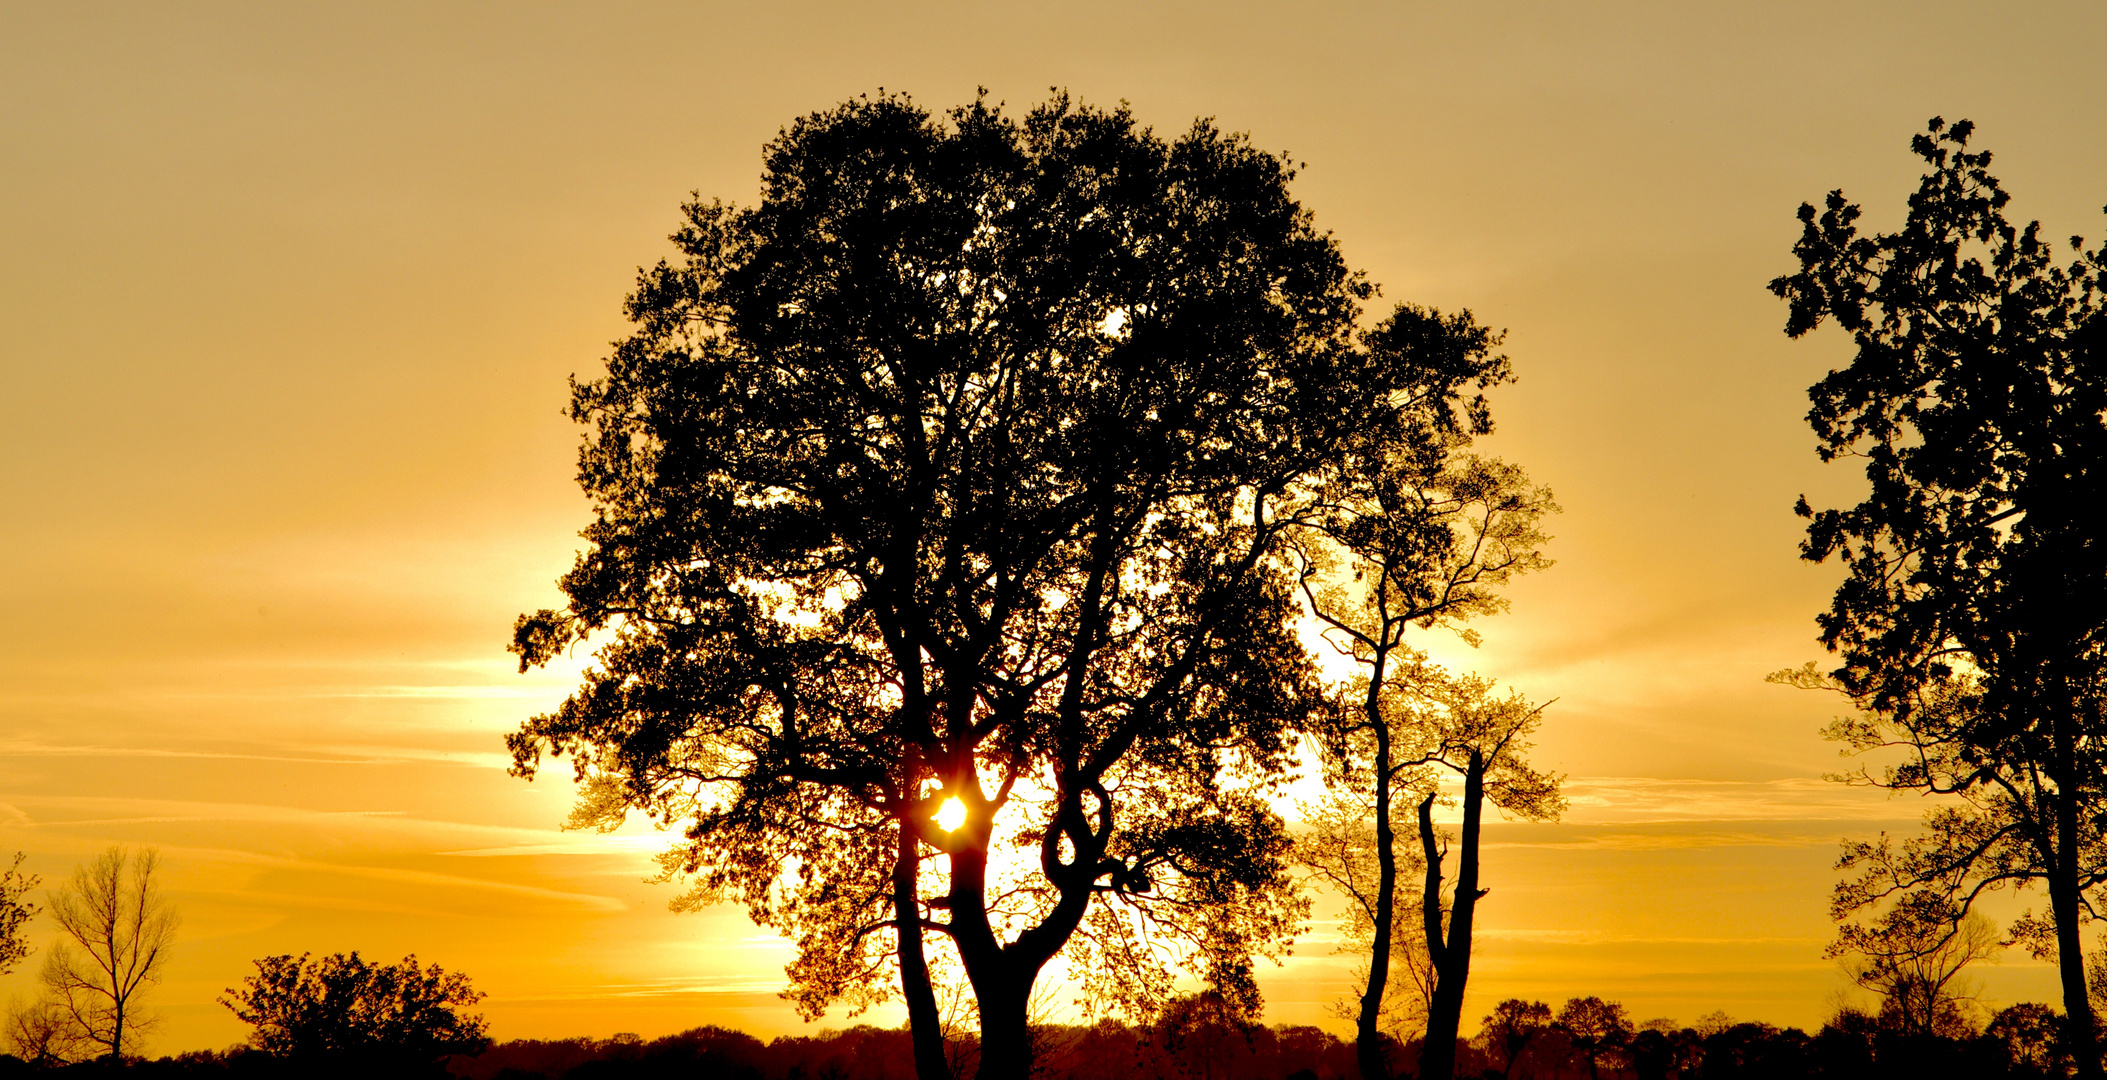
953 470
346 1013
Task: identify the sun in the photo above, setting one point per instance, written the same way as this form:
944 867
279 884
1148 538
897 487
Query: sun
951 815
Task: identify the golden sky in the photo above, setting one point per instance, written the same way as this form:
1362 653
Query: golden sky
289 294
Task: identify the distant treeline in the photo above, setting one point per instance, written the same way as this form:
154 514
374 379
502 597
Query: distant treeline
2019 1044
2015 1047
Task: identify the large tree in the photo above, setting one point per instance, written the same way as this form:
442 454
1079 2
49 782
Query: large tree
1970 620
950 475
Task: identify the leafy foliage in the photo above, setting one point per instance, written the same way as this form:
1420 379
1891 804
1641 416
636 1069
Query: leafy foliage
15 912
345 1011
1511 1027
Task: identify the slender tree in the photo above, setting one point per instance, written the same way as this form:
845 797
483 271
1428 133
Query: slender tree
116 929
1336 850
1970 622
1409 531
951 475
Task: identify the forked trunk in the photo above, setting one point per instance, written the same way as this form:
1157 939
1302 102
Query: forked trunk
1003 975
1451 951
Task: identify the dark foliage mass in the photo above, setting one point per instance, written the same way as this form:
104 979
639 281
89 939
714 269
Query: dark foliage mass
345 1015
1194 1042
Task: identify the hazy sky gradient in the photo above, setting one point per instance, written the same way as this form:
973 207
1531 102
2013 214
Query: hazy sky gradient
290 294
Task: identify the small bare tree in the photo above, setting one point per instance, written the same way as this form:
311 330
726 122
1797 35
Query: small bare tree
116 929
41 1033
1913 956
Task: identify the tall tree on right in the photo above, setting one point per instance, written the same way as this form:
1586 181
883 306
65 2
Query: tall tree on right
1973 612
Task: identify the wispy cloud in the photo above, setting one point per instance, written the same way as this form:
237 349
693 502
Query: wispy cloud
1602 936
1632 799
18 747
417 881
1645 837
576 844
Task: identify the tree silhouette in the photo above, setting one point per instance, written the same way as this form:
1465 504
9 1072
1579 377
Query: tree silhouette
1595 1028
1513 1025
117 929
343 1014
1913 956
1407 532
1970 620
1435 723
1336 847
40 1032
952 471
2029 1036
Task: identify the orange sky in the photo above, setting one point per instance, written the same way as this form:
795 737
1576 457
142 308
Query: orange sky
289 296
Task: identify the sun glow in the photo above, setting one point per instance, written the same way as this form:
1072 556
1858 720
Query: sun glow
951 815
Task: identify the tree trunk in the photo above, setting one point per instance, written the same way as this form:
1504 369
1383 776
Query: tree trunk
925 1026
1005 1030
1368 1035
2063 900
1432 1063
1452 956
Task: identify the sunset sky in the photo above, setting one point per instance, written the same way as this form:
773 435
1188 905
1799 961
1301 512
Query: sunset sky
289 295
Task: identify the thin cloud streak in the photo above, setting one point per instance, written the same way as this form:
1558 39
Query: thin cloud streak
1639 799
337 755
